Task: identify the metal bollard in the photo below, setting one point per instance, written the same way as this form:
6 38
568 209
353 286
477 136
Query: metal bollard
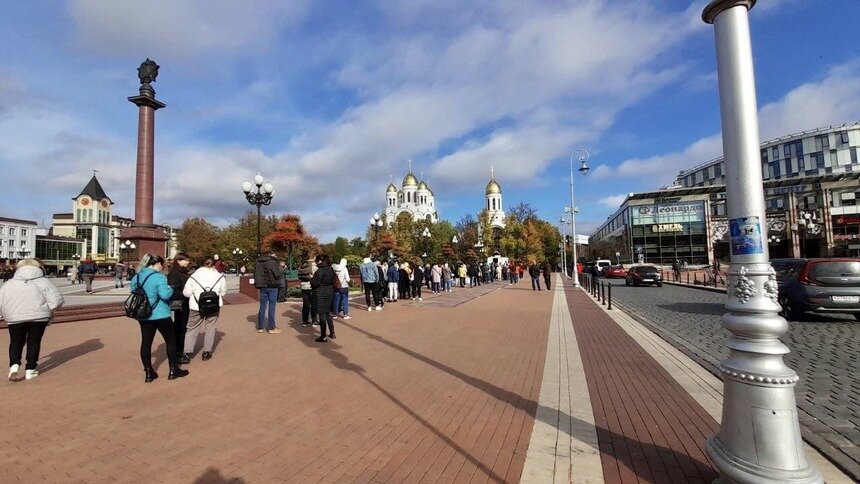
688 278
609 290
603 293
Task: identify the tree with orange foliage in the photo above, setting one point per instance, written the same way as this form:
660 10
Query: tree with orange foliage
290 235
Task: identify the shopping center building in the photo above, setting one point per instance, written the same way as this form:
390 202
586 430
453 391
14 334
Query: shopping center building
812 189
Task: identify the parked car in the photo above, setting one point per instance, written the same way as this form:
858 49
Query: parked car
614 271
644 275
818 286
602 263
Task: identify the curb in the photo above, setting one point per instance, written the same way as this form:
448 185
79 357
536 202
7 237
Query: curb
691 286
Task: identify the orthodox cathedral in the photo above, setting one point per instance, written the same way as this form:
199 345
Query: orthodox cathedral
416 198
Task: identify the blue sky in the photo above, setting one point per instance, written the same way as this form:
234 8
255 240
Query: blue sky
330 98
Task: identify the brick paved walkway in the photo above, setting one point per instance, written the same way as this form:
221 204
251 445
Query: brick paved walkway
408 394
649 429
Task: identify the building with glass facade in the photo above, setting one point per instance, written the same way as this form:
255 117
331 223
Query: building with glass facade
812 185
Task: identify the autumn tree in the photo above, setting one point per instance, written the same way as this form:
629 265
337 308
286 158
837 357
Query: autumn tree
197 238
522 212
290 237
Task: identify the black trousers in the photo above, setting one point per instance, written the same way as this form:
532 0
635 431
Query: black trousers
309 302
416 290
30 334
546 281
372 291
147 336
180 325
326 320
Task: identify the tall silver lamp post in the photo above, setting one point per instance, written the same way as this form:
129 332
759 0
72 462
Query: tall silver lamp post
563 245
582 157
759 439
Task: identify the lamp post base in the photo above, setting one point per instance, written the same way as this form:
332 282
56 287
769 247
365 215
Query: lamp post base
734 470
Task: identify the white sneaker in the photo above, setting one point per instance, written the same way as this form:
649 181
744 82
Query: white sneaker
346 317
379 308
420 299
30 374
370 308
13 371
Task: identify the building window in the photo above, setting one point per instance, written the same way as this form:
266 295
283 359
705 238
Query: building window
786 149
11 230
1 229
11 243
718 170
843 137
764 156
23 232
853 152
775 152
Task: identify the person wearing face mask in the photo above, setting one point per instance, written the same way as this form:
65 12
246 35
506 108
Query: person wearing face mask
158 293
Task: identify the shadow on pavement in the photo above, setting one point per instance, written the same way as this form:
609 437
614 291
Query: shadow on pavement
213 476
629 452
695 308
65 355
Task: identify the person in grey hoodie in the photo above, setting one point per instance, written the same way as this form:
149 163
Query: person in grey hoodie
370 280
27 304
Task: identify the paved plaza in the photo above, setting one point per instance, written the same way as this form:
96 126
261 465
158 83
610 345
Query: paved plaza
492 384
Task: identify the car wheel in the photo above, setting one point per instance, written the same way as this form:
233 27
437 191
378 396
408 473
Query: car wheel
787 311
659 284
626 282
857 316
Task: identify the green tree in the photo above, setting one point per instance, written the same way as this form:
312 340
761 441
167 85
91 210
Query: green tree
242 234
197 238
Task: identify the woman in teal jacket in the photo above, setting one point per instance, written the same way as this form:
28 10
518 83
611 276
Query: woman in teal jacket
158 292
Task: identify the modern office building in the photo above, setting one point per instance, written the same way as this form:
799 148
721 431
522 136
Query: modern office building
812 186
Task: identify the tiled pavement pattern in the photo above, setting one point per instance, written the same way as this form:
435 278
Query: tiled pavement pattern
824 352
457 296
408 394
649 429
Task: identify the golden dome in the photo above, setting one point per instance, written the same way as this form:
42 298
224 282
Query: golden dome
391 188
410 180
493 187
422 186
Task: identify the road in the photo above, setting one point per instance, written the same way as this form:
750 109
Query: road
824 352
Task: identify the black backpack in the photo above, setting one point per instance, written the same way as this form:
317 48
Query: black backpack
137 305
209 303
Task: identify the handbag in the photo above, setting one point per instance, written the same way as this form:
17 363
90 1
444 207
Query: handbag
336 282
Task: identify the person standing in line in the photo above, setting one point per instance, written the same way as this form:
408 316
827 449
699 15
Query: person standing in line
242 270
88 270
306 273
341 296
220 266
461 274
534 272
404 280
499 275
547 274
282 291
393 281
204 279
382 286
268 278
417 282
369 280
428 276
130 272
446 277
177 276
118 273
436 275
158 293
27 304
323 282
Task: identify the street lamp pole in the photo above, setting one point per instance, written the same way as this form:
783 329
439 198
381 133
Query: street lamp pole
376 224
759 438
263 196
426 236
563 222
582 157
127 248
237 254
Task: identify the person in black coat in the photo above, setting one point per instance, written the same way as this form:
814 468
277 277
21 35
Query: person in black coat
547 274
176 279
417 281
323 283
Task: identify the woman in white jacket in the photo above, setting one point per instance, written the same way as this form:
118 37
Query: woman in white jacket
340 301
204 279
27 303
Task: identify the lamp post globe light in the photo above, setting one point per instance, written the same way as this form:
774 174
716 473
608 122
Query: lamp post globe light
262 196
806 224
127 248
237 256
759 437
376 223
582 157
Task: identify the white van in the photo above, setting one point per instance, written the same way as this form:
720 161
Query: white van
601 263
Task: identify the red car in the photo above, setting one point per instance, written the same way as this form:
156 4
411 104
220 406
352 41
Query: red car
614 271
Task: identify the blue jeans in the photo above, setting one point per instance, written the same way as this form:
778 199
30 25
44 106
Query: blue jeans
340 301
536 283
268 298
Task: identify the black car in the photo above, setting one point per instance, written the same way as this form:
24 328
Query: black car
818 285
644 275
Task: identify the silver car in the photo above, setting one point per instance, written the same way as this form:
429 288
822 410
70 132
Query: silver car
818 285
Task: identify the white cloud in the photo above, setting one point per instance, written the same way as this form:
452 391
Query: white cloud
833 100
613 201
171 30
